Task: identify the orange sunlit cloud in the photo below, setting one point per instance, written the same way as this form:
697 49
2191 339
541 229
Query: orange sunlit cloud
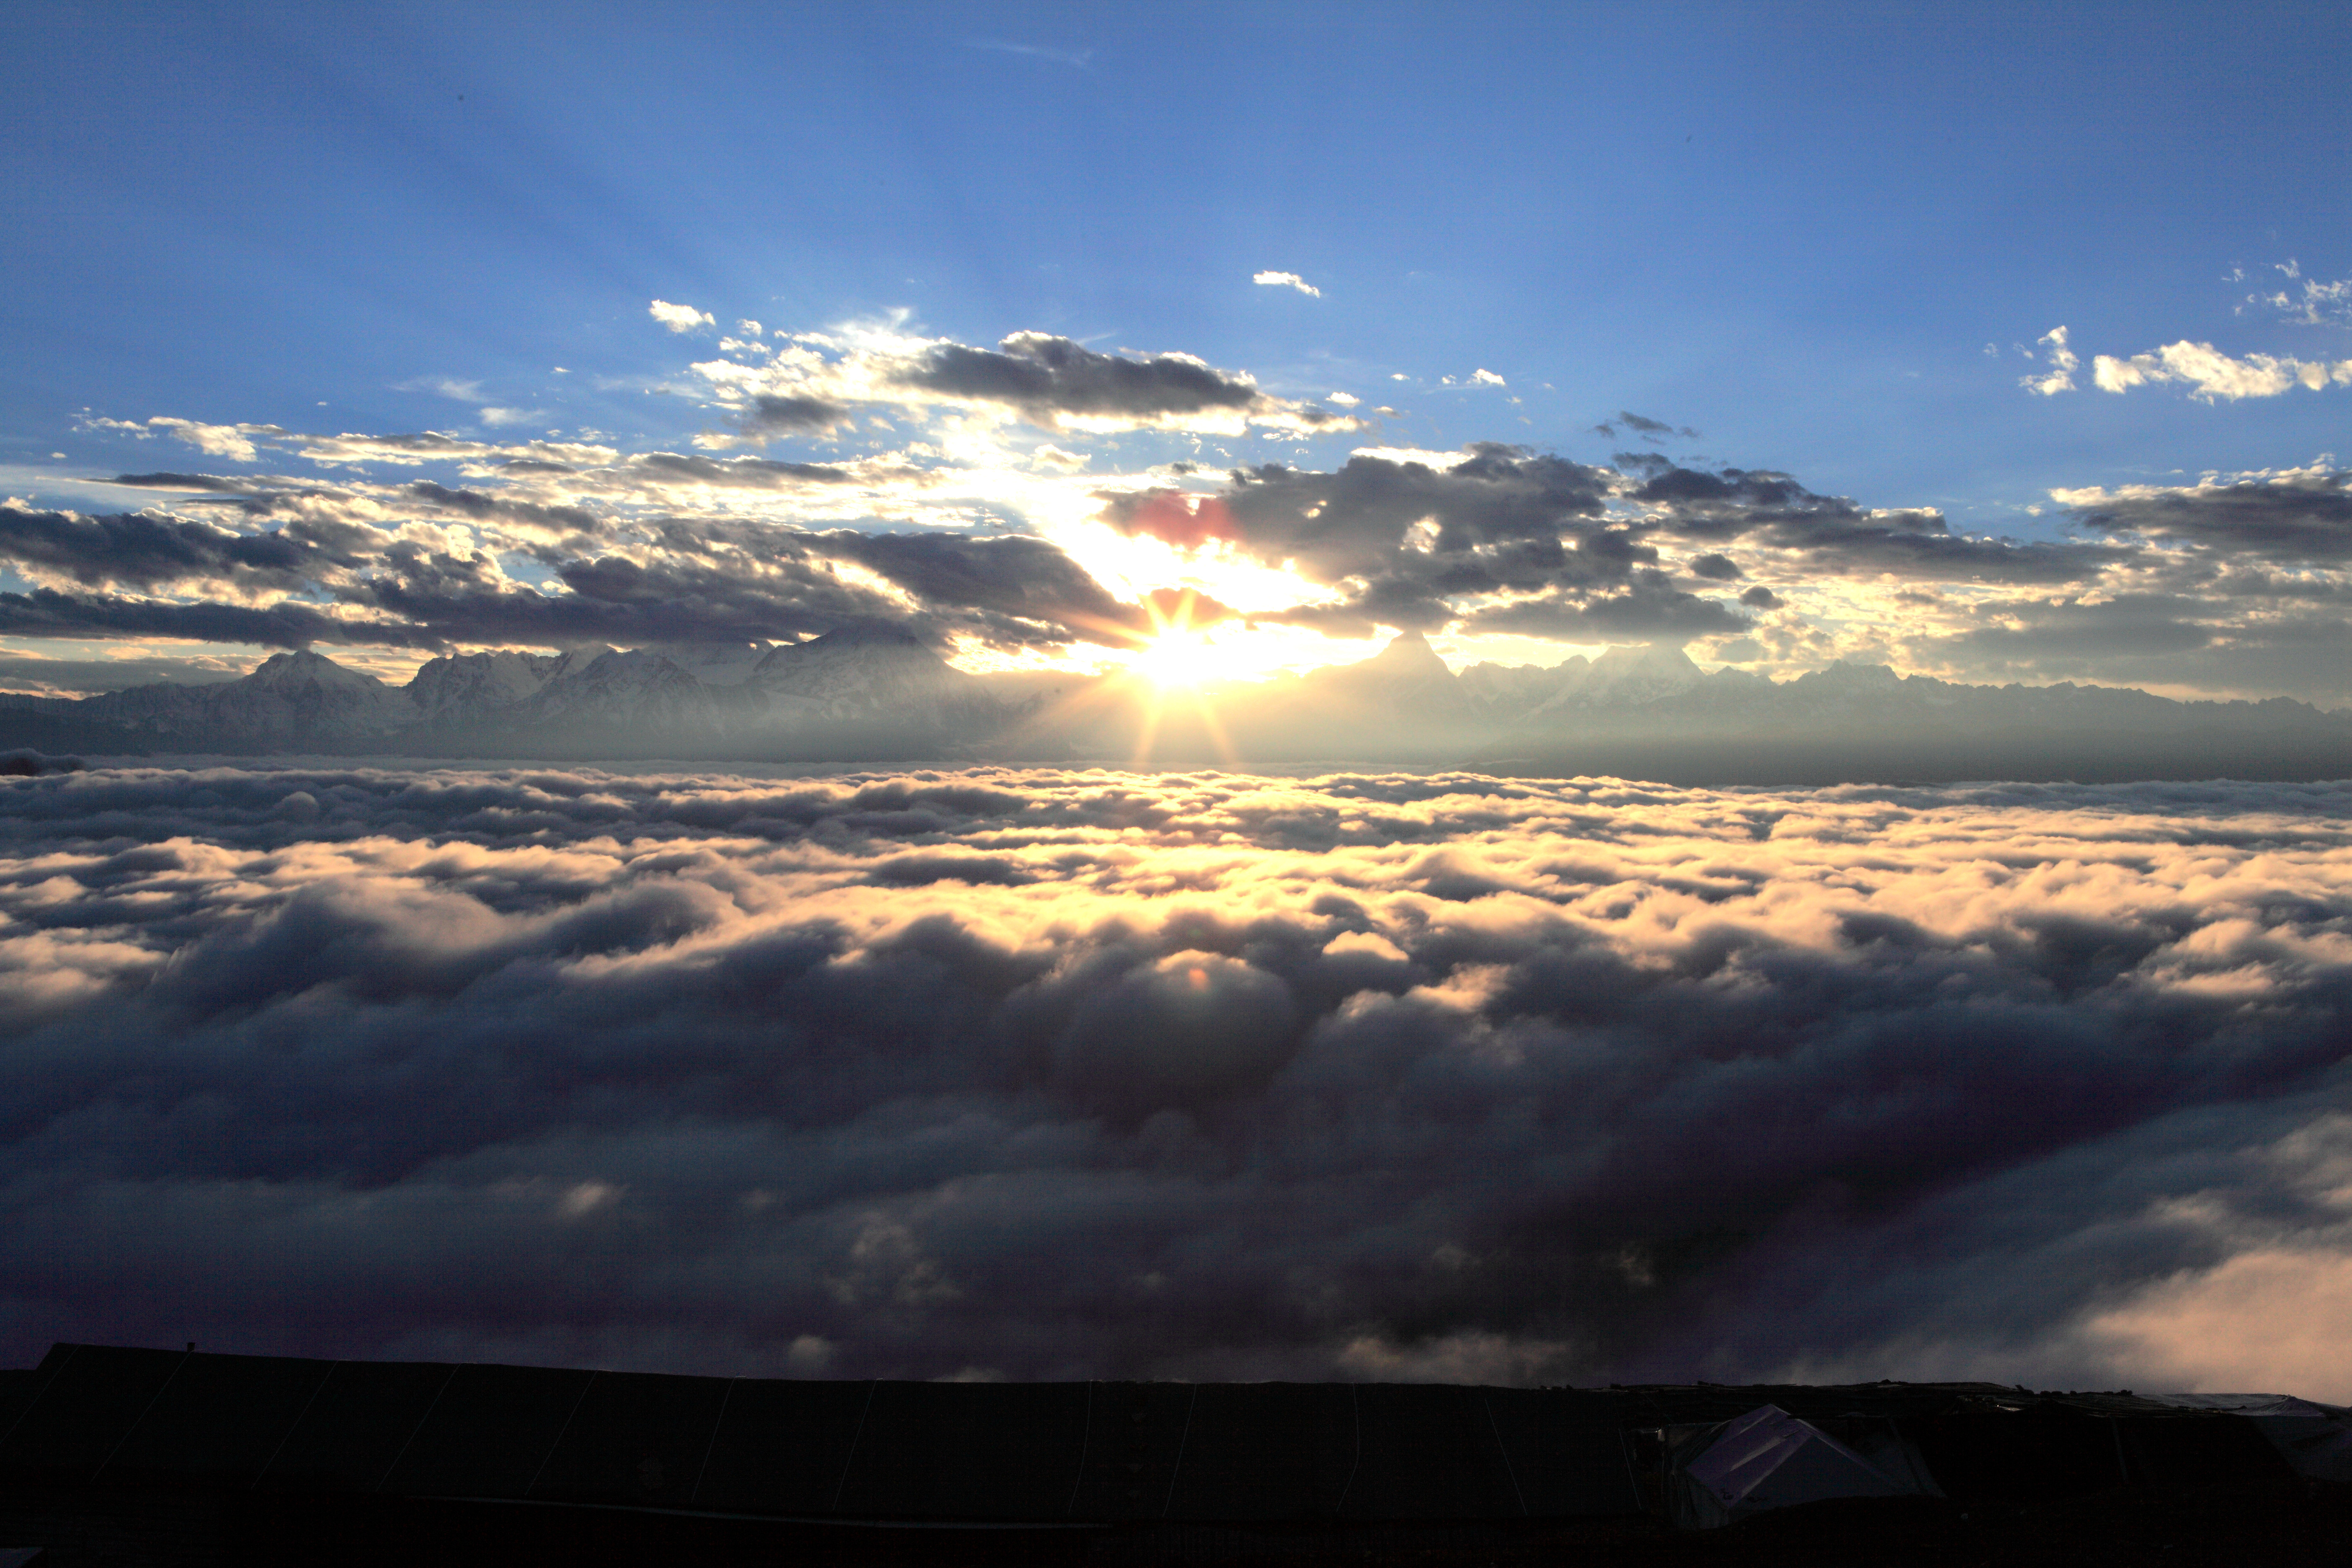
1188 520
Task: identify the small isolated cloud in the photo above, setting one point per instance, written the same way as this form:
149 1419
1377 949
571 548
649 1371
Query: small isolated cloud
1286 281
2317 305
448 386
457 391
679 318
2063 362
2211 375
1486 378
1344 400
1642 425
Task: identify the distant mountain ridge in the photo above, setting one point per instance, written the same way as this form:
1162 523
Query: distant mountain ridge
862 691
874 693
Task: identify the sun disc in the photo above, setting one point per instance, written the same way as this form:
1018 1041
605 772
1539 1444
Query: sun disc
1175 657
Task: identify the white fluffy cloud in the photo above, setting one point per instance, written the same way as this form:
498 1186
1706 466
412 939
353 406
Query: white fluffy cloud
679 318
2063 362
1286 281
2210 375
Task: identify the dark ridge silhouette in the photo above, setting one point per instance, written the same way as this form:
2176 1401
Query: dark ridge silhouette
128 1454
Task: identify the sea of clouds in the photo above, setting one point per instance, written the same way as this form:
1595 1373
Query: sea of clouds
1060 1073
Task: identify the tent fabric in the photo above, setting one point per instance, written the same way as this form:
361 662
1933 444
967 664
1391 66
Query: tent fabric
1768 1459
2314 1438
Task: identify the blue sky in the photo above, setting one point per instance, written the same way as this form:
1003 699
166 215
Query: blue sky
1823 237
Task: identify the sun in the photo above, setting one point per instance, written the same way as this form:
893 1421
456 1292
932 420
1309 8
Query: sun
1174 652
1176 656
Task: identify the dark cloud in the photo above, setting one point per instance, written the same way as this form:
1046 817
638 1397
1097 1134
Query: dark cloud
1072 1074
1409 543
1356 520
1025 579
750 583
47 613
2126 626
1650 610
617 599
1761 597
1641 426
770 416
147 550
1832 532
209 484
2157 640
1044 378
474 504
2303 518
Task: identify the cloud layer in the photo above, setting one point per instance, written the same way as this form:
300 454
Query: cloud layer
1089 1074
913 482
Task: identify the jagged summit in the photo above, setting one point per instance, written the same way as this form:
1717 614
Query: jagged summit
719 664
468 688
1639 673
289 671
1408 654
638 689
865 672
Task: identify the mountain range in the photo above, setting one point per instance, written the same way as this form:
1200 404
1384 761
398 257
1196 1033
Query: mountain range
874 694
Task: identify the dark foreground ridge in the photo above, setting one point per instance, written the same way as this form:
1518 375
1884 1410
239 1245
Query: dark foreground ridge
132 1457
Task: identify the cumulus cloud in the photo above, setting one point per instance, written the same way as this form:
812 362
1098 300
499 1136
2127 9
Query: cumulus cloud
2211 375
1087 1074
1286 281
679 318
2063 362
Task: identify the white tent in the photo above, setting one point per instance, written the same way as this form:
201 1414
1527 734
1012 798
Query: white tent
1769 1459
2315 1438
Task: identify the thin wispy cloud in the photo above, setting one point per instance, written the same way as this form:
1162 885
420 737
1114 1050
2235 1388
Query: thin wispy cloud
2307 301
1077 58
